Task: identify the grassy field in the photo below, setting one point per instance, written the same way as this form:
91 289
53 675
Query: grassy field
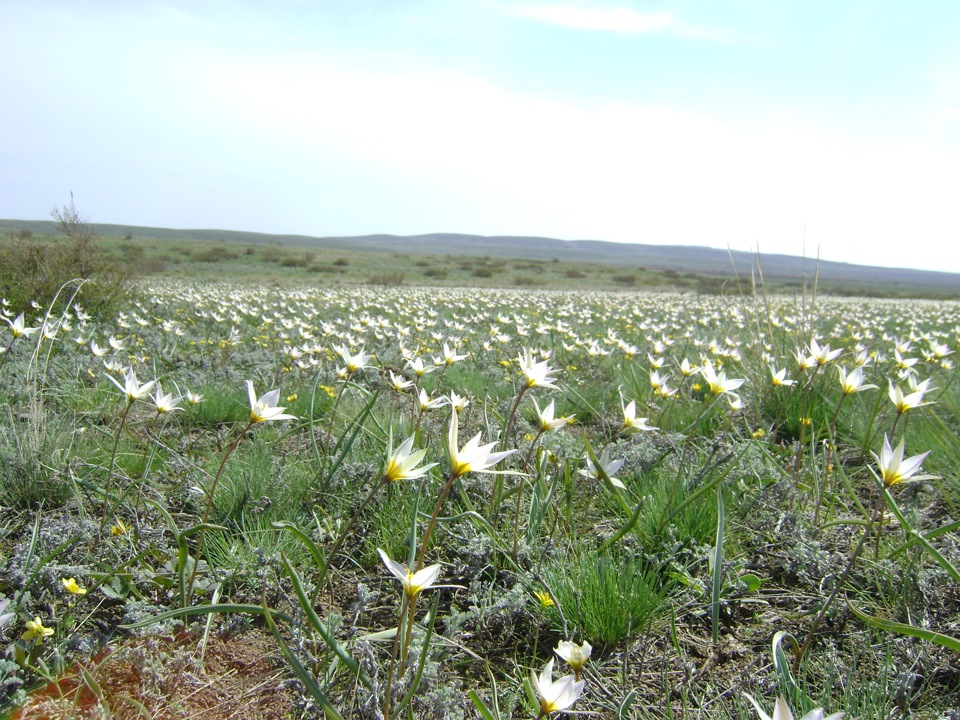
331 262
289 483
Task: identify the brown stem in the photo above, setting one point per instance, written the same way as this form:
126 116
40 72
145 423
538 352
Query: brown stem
433 520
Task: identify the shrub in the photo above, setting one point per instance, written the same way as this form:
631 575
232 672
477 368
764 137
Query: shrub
216 253
386 278
35 269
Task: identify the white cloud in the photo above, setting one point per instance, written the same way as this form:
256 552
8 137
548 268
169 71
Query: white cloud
617 19
506 163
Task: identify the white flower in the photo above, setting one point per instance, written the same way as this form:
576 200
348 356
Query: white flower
894 469
546 418
402 463
630 419
352 363
536 374
575 655
264 408
782 712
131 386
558 695
166 402
413 583
472 457
852 382
19 327
608 466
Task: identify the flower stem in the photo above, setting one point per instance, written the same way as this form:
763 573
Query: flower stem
504 439
326 440
322 573
206 513
110 467
433 520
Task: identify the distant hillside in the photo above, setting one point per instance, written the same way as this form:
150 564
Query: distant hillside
677 258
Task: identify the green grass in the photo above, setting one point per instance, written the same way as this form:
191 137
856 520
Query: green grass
628 568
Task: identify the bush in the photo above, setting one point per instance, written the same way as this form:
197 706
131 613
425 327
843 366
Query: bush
35 269
386 279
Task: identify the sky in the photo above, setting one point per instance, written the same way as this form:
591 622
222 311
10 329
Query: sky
825 129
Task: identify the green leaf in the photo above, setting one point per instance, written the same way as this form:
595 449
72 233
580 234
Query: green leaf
300 671
717 569
481 707
751 581
902 628
321 627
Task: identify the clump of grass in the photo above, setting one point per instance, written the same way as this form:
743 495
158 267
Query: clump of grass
608 597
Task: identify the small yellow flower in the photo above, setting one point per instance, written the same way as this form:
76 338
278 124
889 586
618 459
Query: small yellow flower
35 629
119 528
806 421
72 587
759 433
328 390
291 398
545 600
697 387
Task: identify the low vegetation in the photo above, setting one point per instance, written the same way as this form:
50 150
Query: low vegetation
320 499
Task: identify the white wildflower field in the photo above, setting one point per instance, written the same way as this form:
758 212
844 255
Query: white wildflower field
242 501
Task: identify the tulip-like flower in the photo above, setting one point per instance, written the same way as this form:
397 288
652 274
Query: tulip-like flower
458 402
536 374
608 466
402 463
427 403
630 419
131 386
822 355
894 469
717 381
781 711
472 457
398 382
352 363
575 655
558 695
264 408
20 328
547 420
418 368
413 583
779 378
852 382
911 400
449 356
166 402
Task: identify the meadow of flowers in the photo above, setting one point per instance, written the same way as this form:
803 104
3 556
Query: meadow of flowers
440 503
